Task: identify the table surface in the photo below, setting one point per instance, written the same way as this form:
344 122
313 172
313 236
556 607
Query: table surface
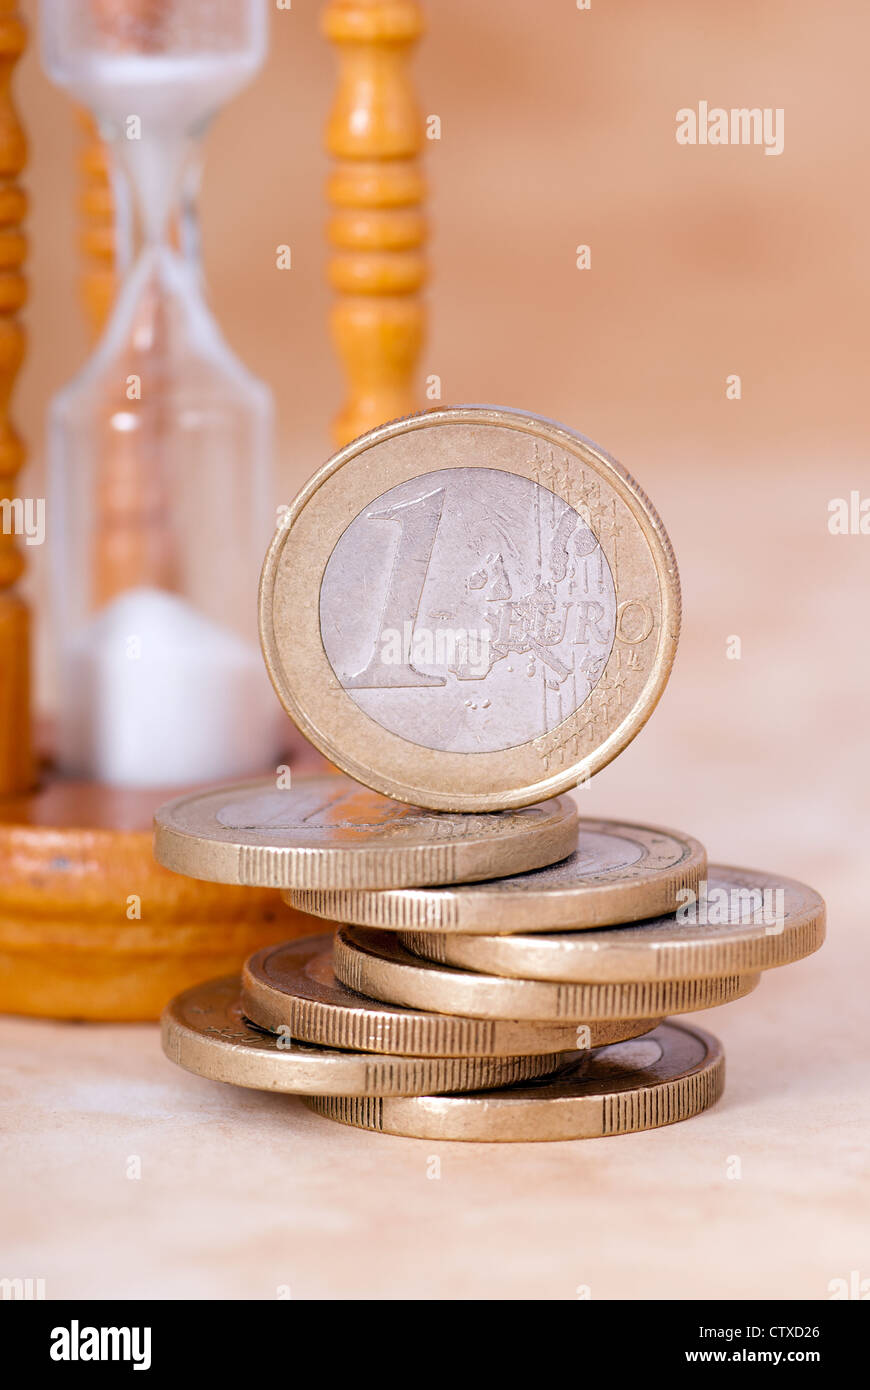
244 1195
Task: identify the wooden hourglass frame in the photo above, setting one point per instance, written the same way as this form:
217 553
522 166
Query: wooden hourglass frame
90 925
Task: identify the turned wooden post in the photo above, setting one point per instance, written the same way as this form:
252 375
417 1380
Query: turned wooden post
16 761
377 227
97 283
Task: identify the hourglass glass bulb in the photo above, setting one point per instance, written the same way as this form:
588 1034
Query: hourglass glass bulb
159 449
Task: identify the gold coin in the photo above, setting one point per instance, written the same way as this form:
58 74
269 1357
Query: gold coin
329 832
375 963
204 1031
737 922
470 609
669 1075
293 987
618 873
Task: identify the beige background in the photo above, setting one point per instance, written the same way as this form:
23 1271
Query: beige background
558 128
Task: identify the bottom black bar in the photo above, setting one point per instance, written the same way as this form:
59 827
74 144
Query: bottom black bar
578 1340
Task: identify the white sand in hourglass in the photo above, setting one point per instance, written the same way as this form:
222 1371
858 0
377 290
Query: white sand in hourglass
159 695
164 90
158 102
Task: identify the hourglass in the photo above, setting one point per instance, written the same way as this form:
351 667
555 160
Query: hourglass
160 478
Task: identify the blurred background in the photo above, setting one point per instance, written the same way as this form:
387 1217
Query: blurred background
557 128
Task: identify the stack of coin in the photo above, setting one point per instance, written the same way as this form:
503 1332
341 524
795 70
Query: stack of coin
469 612
559 955
290 1025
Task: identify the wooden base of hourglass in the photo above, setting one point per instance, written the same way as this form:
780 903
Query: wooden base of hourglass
91 927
